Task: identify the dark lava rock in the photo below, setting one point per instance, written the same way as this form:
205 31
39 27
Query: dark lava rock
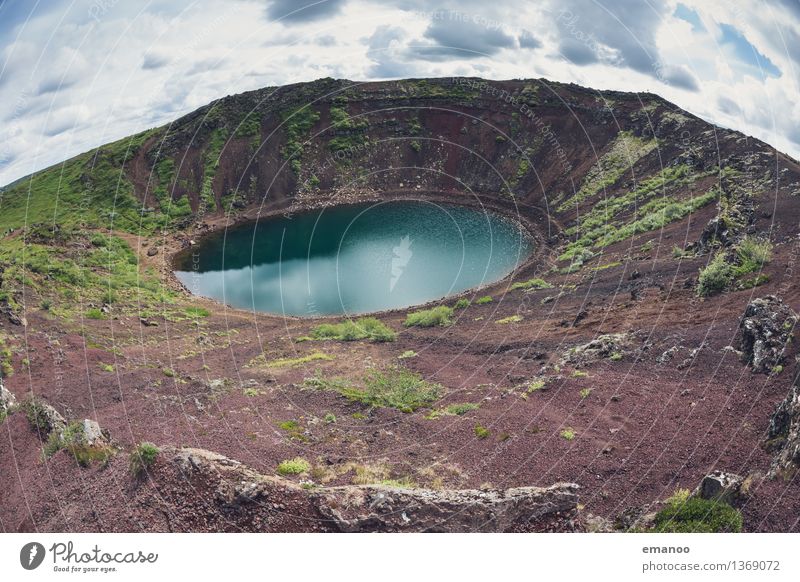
784 431
720 486
766 327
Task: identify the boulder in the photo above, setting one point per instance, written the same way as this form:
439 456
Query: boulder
93 435
389 509
43 417
599 348
7 399
784 431
766 327
720 486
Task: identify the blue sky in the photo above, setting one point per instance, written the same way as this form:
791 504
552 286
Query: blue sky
75 73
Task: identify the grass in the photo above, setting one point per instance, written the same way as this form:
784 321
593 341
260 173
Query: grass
484 300
510 319
437 316
536 385
579 374
395 387
296 466
106 367
458 409
407 354
462 304
568 434
196 312
142 458
290 362
585 393
535 283
481 432
368 328
684 514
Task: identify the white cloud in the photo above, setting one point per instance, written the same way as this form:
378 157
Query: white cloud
72 79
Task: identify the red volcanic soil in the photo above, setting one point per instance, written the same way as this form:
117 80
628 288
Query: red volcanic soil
674 403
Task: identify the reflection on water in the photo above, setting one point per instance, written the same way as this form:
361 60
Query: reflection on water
354 259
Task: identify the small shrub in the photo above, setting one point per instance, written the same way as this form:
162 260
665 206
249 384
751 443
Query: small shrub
142 457
438 316
567 434
407 354
684 514
615 357
94 313
415 145
715 277
296 466
585 393
579 374
46 304
752 255
462 303
106 367
481 431
484 300
330 418
168 372
510 319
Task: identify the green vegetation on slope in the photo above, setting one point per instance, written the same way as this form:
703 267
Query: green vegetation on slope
368 328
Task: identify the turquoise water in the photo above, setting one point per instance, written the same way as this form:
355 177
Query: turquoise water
354 259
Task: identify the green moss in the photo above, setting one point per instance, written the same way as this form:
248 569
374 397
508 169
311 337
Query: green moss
481 431
484 300
568 434
462 303
297 125
684 514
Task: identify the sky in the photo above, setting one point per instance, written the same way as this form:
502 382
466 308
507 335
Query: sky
75 74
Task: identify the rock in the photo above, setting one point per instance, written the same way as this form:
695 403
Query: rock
7 399
719 486
238 492
766 327
43 417
599 348
387 509
667 355
152 251
93 435
148 322
784 431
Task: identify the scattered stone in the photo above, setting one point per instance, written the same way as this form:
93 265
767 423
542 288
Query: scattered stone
148 322
766 327
720 486
667 355
152 251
